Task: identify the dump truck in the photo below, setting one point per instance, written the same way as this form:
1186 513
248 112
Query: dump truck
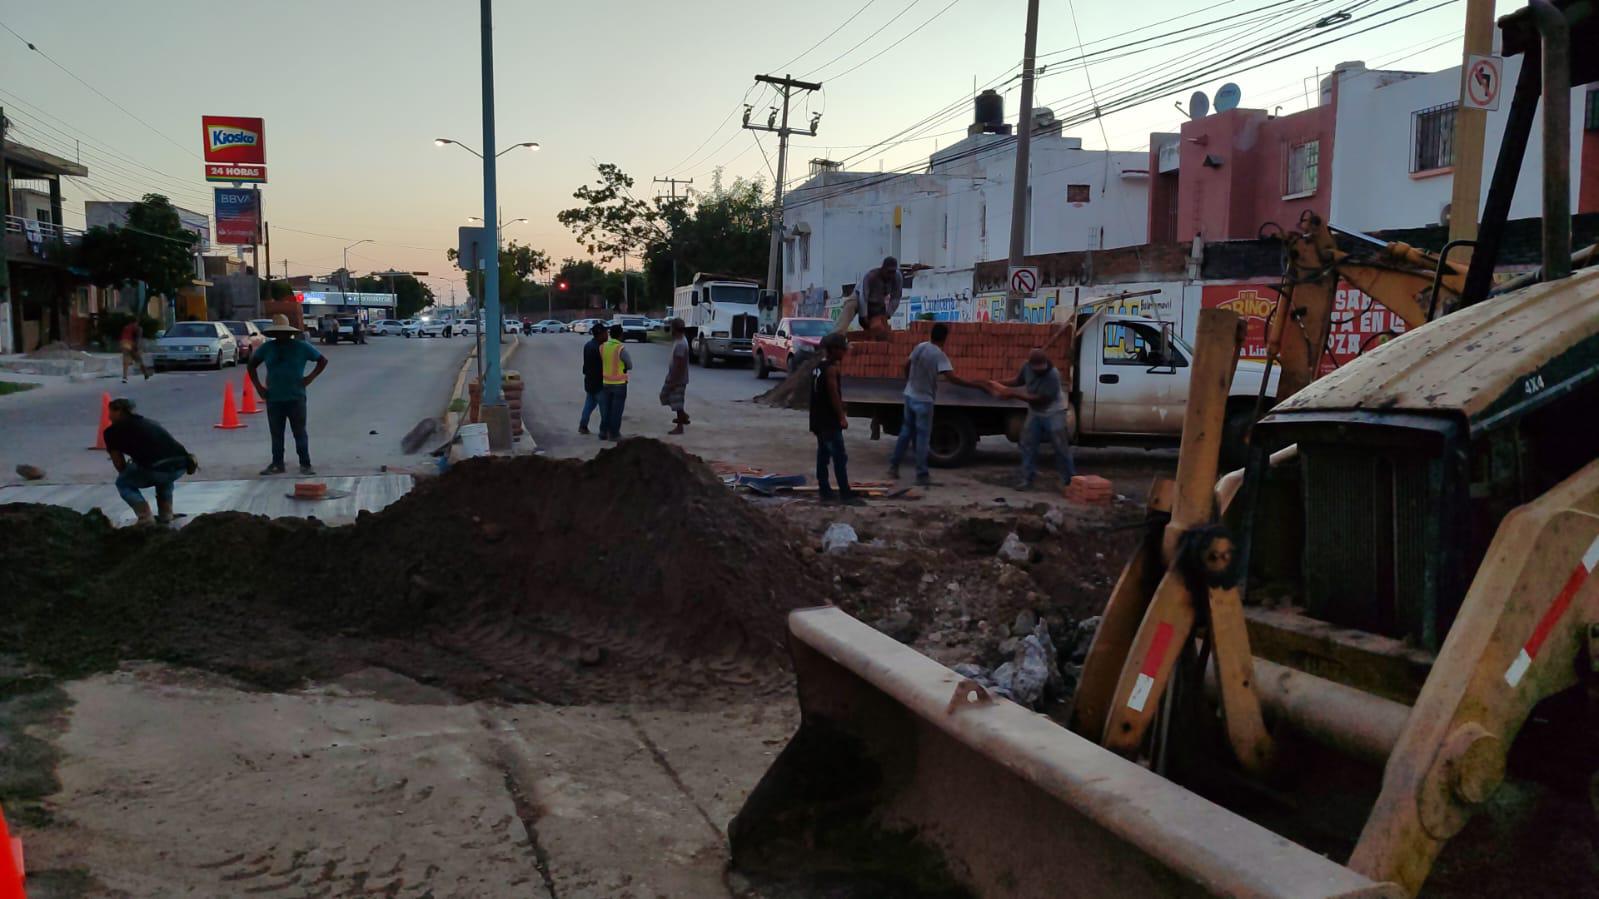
1368 657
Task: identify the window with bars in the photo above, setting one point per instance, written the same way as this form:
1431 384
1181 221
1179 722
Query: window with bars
1304 168
1433 138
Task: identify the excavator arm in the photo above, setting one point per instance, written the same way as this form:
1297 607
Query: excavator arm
1398 276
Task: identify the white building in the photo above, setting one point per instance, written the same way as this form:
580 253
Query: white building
1393 153
838 224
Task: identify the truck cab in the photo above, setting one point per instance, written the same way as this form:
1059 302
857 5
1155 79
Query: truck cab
788 344
721 315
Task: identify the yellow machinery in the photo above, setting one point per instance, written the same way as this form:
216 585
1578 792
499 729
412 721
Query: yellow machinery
1369 658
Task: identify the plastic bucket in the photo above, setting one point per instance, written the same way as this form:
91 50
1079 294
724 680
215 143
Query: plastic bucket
474 440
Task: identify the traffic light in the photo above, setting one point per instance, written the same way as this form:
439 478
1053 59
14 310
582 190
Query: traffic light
560 285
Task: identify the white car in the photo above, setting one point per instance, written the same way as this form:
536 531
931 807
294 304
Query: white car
548 326
428 328
465 326
195 343
385 327
511 326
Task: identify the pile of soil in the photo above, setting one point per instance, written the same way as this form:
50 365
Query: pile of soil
634 576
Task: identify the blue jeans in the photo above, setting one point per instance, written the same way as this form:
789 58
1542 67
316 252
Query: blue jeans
1036 430
832 449
292 412
917 427
591 401
131 479
612 398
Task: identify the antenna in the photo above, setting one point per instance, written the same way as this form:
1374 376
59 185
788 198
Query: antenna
1198 105
1227 97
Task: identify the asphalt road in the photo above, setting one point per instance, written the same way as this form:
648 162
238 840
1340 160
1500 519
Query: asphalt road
368 398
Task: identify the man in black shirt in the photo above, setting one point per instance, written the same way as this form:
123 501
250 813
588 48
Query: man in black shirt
591 374
145 455
828 421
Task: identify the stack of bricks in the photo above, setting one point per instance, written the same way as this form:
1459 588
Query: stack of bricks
1089 490
978 350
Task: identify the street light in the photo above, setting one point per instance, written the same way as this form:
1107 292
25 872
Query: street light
532 146
344 282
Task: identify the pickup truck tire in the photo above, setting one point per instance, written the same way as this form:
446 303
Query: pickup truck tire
761 368
954 440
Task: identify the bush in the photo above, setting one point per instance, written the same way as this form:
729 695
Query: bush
112 323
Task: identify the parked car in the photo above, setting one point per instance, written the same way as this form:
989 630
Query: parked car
548 326
195 343
247 335
787 345
261 324
582 325
511 326
385 327
466 326
425 327
662 325
634 327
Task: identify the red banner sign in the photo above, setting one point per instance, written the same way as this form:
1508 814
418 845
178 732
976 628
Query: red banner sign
254 174
234 139
1358 322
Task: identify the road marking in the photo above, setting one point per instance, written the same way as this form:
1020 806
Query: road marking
1551 616
1152 662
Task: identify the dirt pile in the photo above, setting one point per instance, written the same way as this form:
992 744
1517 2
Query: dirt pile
636 575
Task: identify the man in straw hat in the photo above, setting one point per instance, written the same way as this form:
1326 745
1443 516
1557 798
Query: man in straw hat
145 455
285 356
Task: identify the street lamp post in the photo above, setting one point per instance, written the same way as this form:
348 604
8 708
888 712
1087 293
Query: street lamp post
344 280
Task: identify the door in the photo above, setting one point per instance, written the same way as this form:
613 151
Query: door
1136 390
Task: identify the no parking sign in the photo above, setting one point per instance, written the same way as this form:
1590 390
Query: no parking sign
1024 279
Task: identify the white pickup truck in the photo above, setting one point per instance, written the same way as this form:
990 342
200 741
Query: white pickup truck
1129 388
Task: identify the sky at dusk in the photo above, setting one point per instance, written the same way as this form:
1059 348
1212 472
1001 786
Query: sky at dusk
355 91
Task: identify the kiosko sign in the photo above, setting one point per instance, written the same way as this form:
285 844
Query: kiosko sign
238 212
234 140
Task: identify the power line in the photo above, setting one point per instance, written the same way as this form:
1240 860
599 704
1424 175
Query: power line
864 7
907 36
129 113
864 40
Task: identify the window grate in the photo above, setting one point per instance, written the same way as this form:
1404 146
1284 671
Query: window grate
1433 138
1304 164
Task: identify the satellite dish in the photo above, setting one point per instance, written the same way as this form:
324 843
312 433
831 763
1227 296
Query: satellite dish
1198 105
1228 96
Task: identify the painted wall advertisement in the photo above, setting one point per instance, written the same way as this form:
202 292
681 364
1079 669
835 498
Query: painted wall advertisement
1358 322
238 212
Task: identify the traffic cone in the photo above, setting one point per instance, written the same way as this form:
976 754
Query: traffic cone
11 870
105 422
250 408
230 413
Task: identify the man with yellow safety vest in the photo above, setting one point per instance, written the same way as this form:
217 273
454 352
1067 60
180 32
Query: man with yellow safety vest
614 367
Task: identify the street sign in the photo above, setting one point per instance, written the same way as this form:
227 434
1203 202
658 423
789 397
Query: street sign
238 214
468 247
221 171
1024 279
1484 82
239 140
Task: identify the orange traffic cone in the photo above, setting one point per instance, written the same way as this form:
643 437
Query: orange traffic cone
250 408
230 413
105 422
11 871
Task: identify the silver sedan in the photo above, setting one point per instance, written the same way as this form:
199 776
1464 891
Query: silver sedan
195 343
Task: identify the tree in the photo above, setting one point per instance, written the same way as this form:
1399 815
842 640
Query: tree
410 295
612 221
520 267
152 246
726 230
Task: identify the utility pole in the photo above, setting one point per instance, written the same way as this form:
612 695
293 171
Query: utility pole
674 182
266 234
1470 125
1024 149
490 301
787 85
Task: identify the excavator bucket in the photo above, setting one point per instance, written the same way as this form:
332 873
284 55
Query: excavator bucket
907 780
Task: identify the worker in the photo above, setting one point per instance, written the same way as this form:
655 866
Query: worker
923 369
591 376
1038 384
132 344
615 364
828 421
145 455
675 391
879 292
285 359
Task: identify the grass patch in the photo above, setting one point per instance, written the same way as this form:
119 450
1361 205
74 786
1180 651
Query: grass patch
15 387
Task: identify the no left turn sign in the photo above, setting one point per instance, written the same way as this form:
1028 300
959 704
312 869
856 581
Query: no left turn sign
1484 75
1024 279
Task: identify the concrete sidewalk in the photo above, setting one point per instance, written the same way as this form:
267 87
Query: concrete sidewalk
264 496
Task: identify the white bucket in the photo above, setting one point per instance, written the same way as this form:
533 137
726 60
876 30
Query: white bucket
474 440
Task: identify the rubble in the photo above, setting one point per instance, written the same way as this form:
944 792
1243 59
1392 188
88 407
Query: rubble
30 472
839 537
1014 550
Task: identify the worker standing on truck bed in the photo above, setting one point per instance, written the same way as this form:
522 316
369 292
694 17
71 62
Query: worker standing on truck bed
926 364
1038 385
828 421
879 292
